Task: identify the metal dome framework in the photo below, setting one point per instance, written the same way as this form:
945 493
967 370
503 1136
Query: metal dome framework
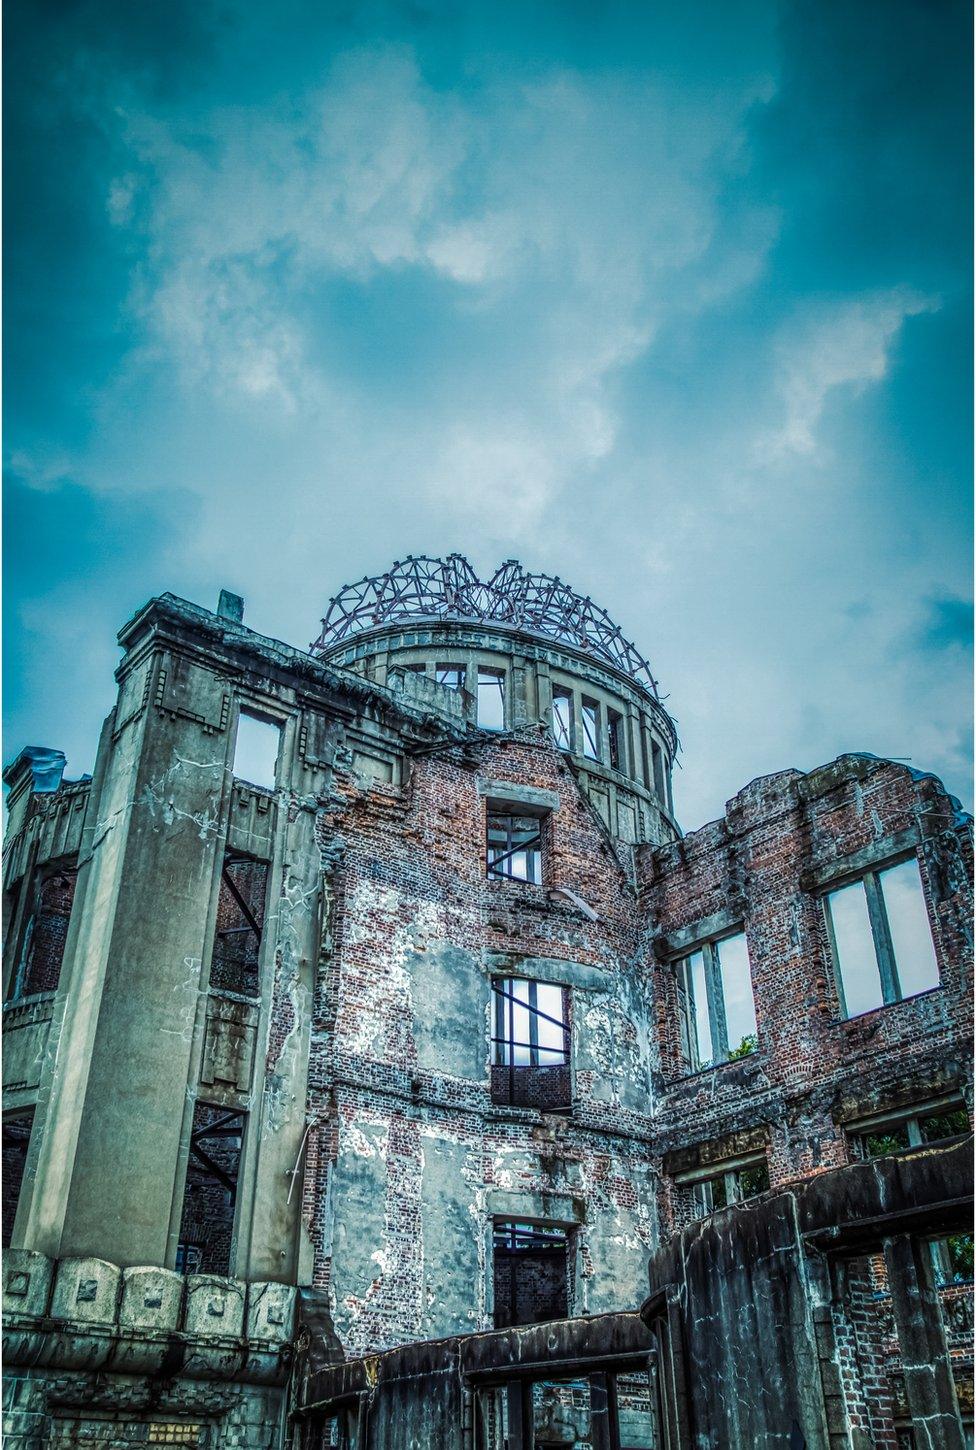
424 588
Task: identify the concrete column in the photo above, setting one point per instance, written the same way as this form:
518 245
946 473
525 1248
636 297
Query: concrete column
929 1386
119 1073
269 1215
519 703
544 692
634 743
647 754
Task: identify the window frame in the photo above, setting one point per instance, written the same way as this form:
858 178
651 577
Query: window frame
26 1116
548 1074
565 695
499 674
451 667
884 951
560 1235
710 950
616 741
252 925
590 709
511 812
229 1122
942 1268
910 1118
33 885
729 1171
502 1037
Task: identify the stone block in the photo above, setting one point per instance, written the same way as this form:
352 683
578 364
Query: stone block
86 1291
26 1282
151 1299
270 1311
214 1306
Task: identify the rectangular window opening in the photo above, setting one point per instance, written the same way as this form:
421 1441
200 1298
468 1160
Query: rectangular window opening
615 737
531 1273
561 1408
16 1140
52 891
734 1185
590 718
952 1259
515 846
210 1195
716 1005
737 999
562 718
341 1429
881 940
530 1045
491 699
235 965
450 675
901 1131
947 1123
256 751
560 1414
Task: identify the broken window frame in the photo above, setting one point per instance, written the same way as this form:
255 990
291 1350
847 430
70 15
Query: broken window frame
730 1174
615 740
251 926
17 1117
524 840
562 719
884 951
35 885
451 676
946 1272
229 1123
912 1119
590 728
490 677
505 1408
716 1011
524 1084
531 1238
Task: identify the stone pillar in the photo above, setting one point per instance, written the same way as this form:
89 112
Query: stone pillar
117 1077
929 1386
543 692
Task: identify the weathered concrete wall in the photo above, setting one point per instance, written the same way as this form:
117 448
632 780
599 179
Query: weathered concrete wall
758 1302
95 1352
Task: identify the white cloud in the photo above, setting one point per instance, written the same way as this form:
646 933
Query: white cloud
845 346
574 216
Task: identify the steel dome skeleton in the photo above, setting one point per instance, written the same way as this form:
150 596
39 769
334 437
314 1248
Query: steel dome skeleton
421 587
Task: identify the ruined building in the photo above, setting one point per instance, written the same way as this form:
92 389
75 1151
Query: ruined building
384 1067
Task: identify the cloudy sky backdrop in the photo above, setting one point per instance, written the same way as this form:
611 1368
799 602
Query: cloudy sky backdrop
672 301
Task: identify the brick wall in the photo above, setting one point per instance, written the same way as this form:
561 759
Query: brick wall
412 874
405 871
813 1068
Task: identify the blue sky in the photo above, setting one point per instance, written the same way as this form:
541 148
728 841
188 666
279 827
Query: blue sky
671 301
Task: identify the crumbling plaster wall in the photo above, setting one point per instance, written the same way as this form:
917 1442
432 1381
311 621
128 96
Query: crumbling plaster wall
417 1160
